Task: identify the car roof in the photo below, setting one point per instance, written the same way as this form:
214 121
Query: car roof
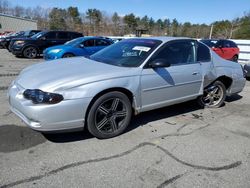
94 37
163 39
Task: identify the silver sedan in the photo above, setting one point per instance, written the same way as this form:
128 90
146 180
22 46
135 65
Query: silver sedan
126 78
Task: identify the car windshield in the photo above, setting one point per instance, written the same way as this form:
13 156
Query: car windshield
27 33
210 43
127 53
74 41
36 36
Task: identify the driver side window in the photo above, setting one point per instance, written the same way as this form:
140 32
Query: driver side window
177 52
89 43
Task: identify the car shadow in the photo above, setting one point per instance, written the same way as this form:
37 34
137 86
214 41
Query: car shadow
68 136
37 57
233 98
162 113
137 121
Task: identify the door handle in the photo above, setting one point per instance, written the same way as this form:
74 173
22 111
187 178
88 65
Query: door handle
194 73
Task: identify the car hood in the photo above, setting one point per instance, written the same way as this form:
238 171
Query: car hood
69 73
19 38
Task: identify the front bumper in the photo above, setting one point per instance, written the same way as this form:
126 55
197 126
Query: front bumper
50 56
66 115
16 50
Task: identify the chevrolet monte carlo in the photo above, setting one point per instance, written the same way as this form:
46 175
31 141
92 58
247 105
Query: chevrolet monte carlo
132 76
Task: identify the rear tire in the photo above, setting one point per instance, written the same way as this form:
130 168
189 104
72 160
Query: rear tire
235 58
109 115
214 95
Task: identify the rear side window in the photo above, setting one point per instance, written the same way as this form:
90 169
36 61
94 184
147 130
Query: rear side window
203 53
101 42
51 35
62 35
220 44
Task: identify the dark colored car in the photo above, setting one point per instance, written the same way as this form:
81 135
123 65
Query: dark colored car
26 34
35 45
227 49
6 42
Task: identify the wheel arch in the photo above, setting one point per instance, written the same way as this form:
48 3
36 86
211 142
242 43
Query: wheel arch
125 91
31 45
227 81
71 53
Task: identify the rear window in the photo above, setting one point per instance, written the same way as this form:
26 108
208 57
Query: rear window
203 53
233 45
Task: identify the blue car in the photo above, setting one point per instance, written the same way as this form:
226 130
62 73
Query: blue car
82 46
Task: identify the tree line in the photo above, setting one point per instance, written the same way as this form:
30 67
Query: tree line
97 22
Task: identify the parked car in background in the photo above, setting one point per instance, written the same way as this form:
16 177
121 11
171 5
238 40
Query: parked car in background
133 75
5 40
5 33
35 45
247 71
26 34
227 49
22 34
83 46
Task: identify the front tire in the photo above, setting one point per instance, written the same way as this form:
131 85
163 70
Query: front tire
67 55
214 95
30 52
109 115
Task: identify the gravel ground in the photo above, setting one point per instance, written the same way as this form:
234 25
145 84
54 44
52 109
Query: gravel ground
177 146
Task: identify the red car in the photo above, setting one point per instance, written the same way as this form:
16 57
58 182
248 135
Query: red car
227 49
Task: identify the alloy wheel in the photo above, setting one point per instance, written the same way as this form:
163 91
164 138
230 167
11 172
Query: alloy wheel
30 52
110 115
213 95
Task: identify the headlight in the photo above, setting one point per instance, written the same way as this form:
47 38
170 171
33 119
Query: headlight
55 51
38 96
19 43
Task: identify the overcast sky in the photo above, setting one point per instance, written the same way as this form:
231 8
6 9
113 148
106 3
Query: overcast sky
194 11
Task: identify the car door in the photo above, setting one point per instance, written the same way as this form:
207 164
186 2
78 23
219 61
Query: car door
48 40
179 82
89 46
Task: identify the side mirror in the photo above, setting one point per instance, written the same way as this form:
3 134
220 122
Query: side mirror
81 46
158 63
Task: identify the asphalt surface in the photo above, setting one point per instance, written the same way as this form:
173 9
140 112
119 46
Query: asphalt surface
177 146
